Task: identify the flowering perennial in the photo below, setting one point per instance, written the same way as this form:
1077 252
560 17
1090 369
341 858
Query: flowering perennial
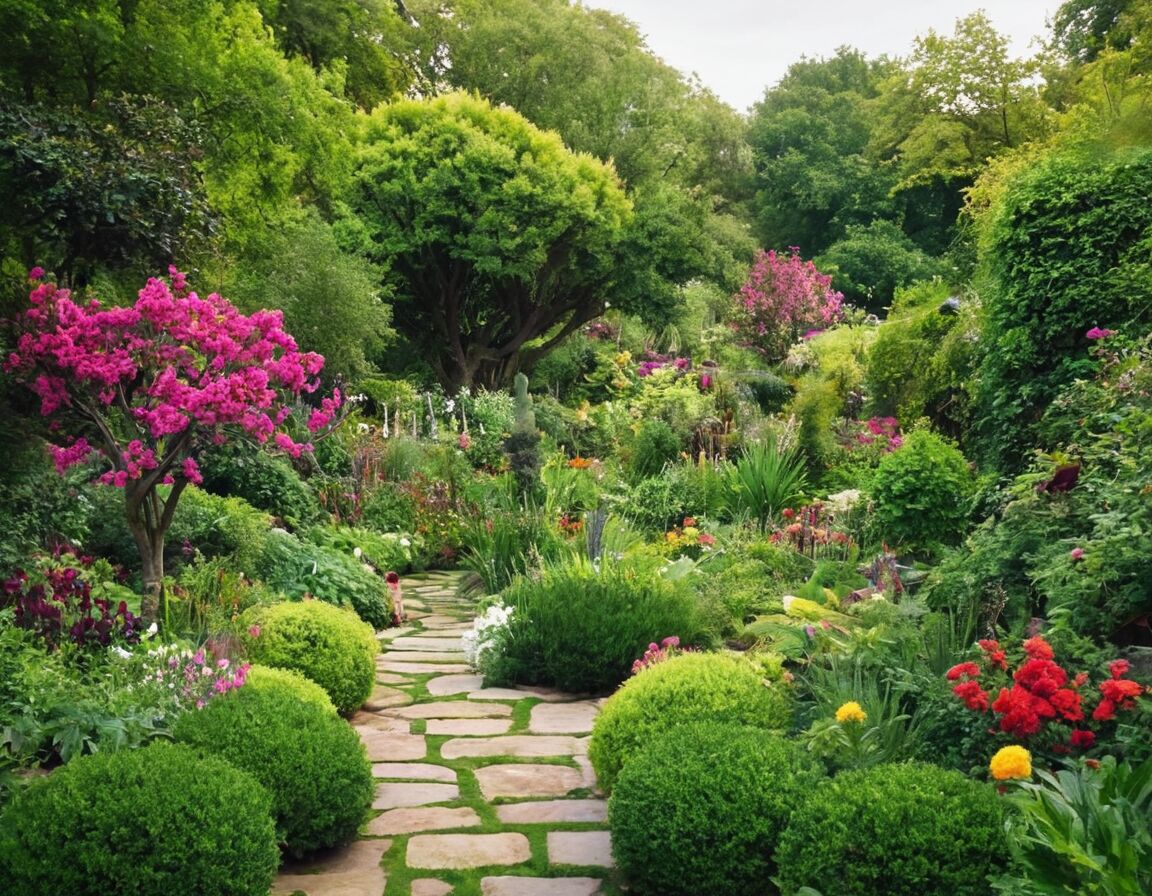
1011 762
851 712
658 653
1042 703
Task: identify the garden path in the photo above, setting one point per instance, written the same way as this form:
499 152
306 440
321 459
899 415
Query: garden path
480 791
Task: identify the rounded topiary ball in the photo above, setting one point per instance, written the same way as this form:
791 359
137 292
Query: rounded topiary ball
161 819
327 644
310 760
901 830
268 678
701 809
694 687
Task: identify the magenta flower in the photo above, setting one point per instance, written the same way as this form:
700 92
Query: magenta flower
1076 553
1098 333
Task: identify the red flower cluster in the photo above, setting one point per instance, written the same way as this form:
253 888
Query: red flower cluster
1041 692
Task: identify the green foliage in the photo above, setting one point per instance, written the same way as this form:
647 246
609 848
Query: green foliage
677 491
766 478
655 445
300 570
156 820
900 830
695 687
493 233
285 681
503 545
218 527
324 643
871 262
266 482
580 628
1045 296
921 493
1083 830
382 553
311 762
724 792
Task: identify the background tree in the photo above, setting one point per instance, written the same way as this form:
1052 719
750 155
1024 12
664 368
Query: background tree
498 241
147 388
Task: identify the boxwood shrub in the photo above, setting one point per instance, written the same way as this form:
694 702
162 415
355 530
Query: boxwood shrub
310 760
700 810
161 819
329 645
896 830
269 678
693 687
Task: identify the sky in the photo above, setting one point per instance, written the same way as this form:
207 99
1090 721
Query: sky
741 47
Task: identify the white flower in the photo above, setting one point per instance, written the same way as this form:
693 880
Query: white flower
449 406
152 630
787 600
404 543
121 652
357 553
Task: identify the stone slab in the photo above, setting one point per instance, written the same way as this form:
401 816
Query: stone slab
448 685
417 656
390 634
580 848
467 850
519 694
540 886
430 886
554 812
392 678
396 796
414 820
453 709
383 696
528 780
563 718
519 745
423 668
414 771
469 727
427 642
351 871
374 721
393 746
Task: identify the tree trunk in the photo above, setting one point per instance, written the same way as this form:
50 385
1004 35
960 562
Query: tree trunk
151 547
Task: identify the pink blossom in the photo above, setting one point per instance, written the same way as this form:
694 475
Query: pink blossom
37 273
1076 553
191 471
253 631
1098 333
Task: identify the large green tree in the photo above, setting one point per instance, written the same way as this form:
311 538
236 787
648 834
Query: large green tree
498 240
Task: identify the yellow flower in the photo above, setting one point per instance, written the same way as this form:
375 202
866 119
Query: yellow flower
1011 762
851 712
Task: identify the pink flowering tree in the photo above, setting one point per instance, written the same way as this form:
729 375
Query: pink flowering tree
143 390
783 298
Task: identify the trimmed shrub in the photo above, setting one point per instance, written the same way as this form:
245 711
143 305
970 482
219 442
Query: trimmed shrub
724 793
311 762
217 527
156 820
269 678
921 493
580 628
694 687
298 569
900 830
322 642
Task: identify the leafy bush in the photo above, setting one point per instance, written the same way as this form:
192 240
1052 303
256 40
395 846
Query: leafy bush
217 527
324 643
872 261
503 545
269 678
921 493
579 628
656 444
266 482
311 762
157 820
680 490
724 793
300 569
390 551
695 687
900 830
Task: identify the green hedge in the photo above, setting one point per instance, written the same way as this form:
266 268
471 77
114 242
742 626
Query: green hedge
701 809
694 687
159 820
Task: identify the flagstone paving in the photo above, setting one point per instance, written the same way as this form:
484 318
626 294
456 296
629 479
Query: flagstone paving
443 748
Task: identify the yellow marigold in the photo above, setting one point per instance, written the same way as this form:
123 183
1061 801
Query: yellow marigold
851 712
1011 762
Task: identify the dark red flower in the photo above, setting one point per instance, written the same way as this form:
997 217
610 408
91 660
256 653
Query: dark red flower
1067 703
1041 676
974 696
993 653
1083 740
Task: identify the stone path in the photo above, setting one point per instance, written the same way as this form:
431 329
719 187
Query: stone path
479 790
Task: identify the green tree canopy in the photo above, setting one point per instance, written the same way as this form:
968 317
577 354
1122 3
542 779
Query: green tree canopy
498 240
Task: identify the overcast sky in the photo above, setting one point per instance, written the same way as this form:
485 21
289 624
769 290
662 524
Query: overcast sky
740 47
